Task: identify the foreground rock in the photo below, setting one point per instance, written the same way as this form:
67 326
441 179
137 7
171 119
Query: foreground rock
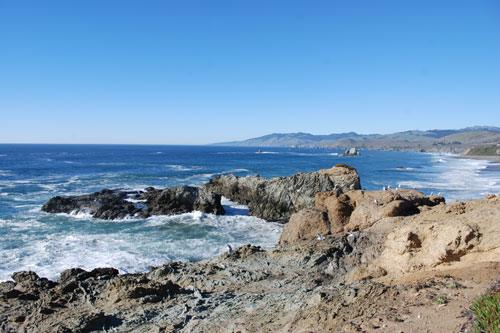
114 204
275 199
353 211
457 235
402 273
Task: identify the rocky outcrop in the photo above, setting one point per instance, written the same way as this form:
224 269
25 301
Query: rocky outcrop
182 199
114 204
351 152
78 301
401 273
455 235
275 199
353 211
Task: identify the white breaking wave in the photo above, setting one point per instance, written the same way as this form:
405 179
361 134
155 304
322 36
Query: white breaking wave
111 163
136 246
5 173
83 213
48 257
234 208
23 206
182 168
21 225
49 187
237 170
457 179
135 200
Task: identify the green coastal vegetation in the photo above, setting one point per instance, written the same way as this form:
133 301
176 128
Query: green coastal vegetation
487 311
484 151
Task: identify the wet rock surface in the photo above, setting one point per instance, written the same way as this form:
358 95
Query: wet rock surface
116 204
275 199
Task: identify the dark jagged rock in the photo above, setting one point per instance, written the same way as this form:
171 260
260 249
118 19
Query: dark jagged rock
28 301
181 199
275 199
114 204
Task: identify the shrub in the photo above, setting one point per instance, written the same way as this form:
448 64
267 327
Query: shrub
487 311
441 300
342 165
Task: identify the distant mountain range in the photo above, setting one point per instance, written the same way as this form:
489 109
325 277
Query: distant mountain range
431 140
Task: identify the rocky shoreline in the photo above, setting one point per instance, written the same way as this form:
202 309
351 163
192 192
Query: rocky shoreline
387 261
273 199
115 204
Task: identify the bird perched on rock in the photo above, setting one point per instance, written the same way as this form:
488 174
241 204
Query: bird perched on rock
383 188
375 201
229 249
320 237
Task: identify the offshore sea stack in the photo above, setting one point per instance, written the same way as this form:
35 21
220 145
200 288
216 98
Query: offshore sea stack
276 199
351 152
115 204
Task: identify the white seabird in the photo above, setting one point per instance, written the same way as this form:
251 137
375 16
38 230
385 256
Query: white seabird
375 201
229 249
383 188
320 237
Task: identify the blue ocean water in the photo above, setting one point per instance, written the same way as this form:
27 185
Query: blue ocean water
49 243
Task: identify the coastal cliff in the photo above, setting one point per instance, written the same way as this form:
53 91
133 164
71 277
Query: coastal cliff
389 261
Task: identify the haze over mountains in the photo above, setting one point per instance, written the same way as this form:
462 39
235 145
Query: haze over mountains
432 140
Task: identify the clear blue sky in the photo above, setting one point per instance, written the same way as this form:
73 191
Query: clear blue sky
195 72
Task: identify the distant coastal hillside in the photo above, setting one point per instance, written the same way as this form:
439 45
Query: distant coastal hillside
457 141
484 151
